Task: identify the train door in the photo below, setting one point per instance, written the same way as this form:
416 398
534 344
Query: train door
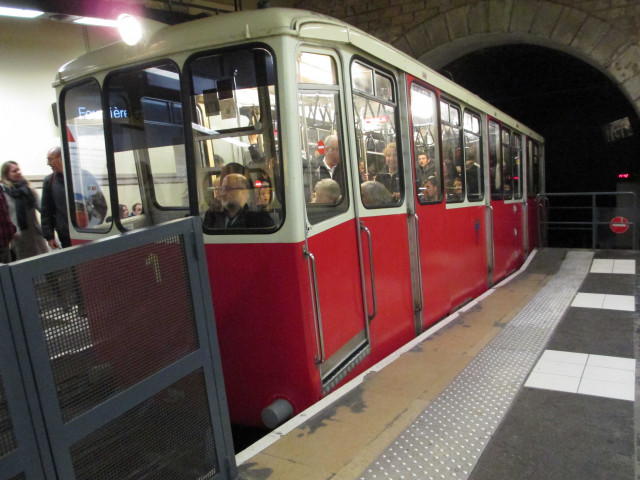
506 208
431 220
332 230
379 184
533 188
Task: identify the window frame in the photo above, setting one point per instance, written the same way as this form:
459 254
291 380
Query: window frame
68 173
192 167
437 140
480 159
394 104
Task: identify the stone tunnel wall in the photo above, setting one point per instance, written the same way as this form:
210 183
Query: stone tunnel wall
603 33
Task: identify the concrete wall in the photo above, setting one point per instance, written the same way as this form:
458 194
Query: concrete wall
603 33
32 52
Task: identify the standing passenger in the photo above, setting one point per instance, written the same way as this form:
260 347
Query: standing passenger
330 166
23 202
54 203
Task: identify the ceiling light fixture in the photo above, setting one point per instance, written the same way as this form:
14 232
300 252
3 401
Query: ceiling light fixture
19 12
96 22
130 29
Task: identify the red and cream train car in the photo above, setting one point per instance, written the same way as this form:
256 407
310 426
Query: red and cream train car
351 197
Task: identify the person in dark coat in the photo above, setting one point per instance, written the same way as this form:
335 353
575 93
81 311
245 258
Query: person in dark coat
7 230
23 201
330 165
234 195
54 203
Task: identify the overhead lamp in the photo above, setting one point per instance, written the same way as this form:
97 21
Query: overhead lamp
19 12
129 28
96 22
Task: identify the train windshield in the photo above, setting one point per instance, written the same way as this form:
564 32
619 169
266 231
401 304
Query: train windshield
235 125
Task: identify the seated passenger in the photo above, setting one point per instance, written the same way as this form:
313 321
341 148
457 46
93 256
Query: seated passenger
429 190
374 193
327 191
124 211
264 193
234 195
454 193
136 209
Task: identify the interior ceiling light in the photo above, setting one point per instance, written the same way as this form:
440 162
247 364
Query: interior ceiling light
19 12
96 22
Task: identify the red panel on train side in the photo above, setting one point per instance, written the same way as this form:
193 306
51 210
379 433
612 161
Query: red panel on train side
393 325
507 238
263 312
434 258
339 285
466 239
453 257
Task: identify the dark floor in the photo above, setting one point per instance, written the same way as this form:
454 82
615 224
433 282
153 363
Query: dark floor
555 435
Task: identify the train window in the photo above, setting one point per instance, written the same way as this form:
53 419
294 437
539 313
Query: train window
495 161
234 124
507 165
362 78
86 153
375 114
473 157
452 152
425 144
516 164
148 143
325 180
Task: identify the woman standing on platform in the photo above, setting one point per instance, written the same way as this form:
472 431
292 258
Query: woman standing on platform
23 202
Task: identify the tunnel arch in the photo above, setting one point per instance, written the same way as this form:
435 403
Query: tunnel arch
470 28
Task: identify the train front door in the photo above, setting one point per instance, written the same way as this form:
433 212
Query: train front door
506 229
332 231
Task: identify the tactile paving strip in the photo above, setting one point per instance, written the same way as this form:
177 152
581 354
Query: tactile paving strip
448 437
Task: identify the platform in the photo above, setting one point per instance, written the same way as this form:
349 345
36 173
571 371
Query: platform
534 380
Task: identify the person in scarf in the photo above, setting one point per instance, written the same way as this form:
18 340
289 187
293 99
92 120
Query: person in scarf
23 202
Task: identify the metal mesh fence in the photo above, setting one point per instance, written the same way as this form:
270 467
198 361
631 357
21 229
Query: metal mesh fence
112 322
111 369
168 437
8 441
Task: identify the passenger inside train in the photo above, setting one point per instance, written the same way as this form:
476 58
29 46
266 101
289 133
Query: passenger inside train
234 196
327 191
375 194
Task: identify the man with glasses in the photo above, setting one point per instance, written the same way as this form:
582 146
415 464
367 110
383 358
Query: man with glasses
234 195
54 204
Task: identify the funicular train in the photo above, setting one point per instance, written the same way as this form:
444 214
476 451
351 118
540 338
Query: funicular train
236 119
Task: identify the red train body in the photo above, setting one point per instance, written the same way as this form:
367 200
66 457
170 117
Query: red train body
350 196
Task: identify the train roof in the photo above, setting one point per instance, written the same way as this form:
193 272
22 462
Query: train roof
240 27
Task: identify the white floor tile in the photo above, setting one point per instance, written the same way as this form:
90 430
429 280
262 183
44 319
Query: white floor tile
565 357
559 368
548 381
588 300
600 388
619 302
624 266
602 265
609 375
619 363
